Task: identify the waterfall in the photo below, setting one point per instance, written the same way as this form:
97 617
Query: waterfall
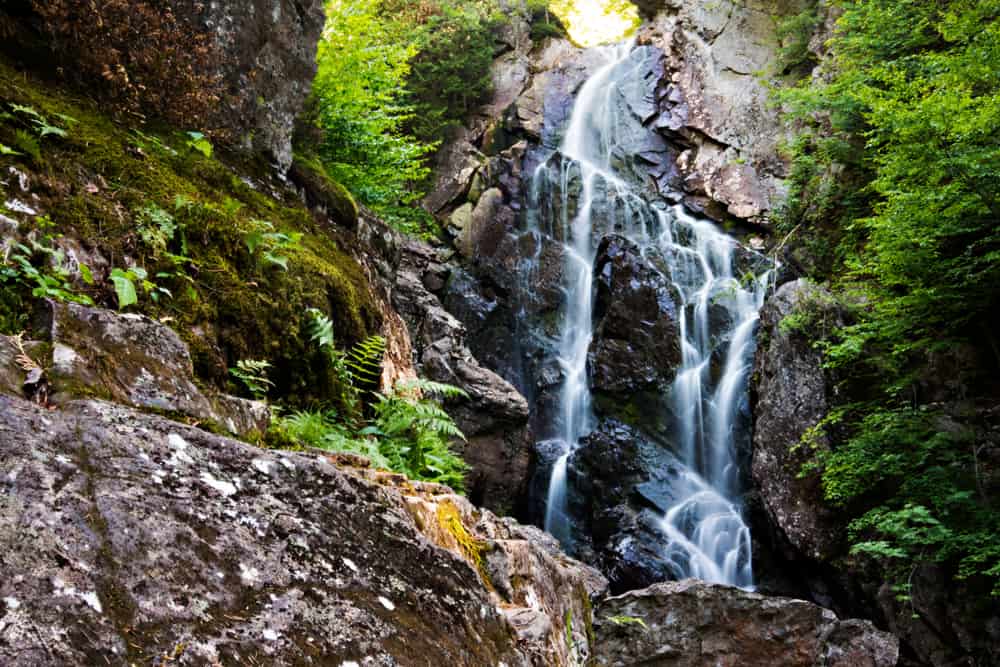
578 195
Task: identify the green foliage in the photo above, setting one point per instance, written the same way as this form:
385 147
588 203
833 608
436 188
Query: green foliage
43 269
30 128
795 32
125 280
815 315
321 429
364 361
198 142
156 228
359 98
394 77
897 161
273 246
414 432
409 433
450 72
225 305
253 374
628 620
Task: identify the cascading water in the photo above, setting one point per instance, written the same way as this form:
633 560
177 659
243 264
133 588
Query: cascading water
585 195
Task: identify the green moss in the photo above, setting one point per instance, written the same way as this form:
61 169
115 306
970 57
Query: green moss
308 173
225 306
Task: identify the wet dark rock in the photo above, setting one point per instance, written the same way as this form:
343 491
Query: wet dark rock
692 624
790 395
621 486
636 342
126 537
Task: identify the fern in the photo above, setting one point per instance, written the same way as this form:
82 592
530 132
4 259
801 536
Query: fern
365 361
320 328
253 374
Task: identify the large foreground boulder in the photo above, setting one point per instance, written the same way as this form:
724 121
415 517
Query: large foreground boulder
693 624
129 539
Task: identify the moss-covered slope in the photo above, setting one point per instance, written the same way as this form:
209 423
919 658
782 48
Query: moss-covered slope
99 195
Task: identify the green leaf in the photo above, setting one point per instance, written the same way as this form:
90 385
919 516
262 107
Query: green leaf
198 142
124 288
86 274
276 260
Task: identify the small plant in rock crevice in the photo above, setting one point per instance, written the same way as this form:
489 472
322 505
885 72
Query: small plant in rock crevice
252 373
405 430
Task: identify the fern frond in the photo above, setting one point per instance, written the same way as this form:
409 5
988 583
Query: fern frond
320 328
365 360
425 386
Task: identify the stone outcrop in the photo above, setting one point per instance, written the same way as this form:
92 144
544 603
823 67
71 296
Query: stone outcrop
712 105
127 538
636 343
692 624
790 395
494 416
127 358
267 63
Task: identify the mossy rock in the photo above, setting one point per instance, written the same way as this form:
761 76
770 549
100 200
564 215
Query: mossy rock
322 192
228 303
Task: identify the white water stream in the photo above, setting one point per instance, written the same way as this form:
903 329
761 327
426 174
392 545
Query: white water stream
704 532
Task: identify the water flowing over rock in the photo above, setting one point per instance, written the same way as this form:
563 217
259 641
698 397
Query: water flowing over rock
694 624
648 333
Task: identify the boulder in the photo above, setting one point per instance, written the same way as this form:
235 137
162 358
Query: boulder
790 395
267 63
636 344
133 360
128 538
692 624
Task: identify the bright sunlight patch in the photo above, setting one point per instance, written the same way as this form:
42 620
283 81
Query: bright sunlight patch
593 22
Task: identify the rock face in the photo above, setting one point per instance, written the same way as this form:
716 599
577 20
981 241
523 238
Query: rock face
791 395
636 337
267 63
126 538
622 486
495 415
691 624
712 106
127 358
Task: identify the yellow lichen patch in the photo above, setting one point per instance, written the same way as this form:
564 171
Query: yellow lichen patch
474 550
